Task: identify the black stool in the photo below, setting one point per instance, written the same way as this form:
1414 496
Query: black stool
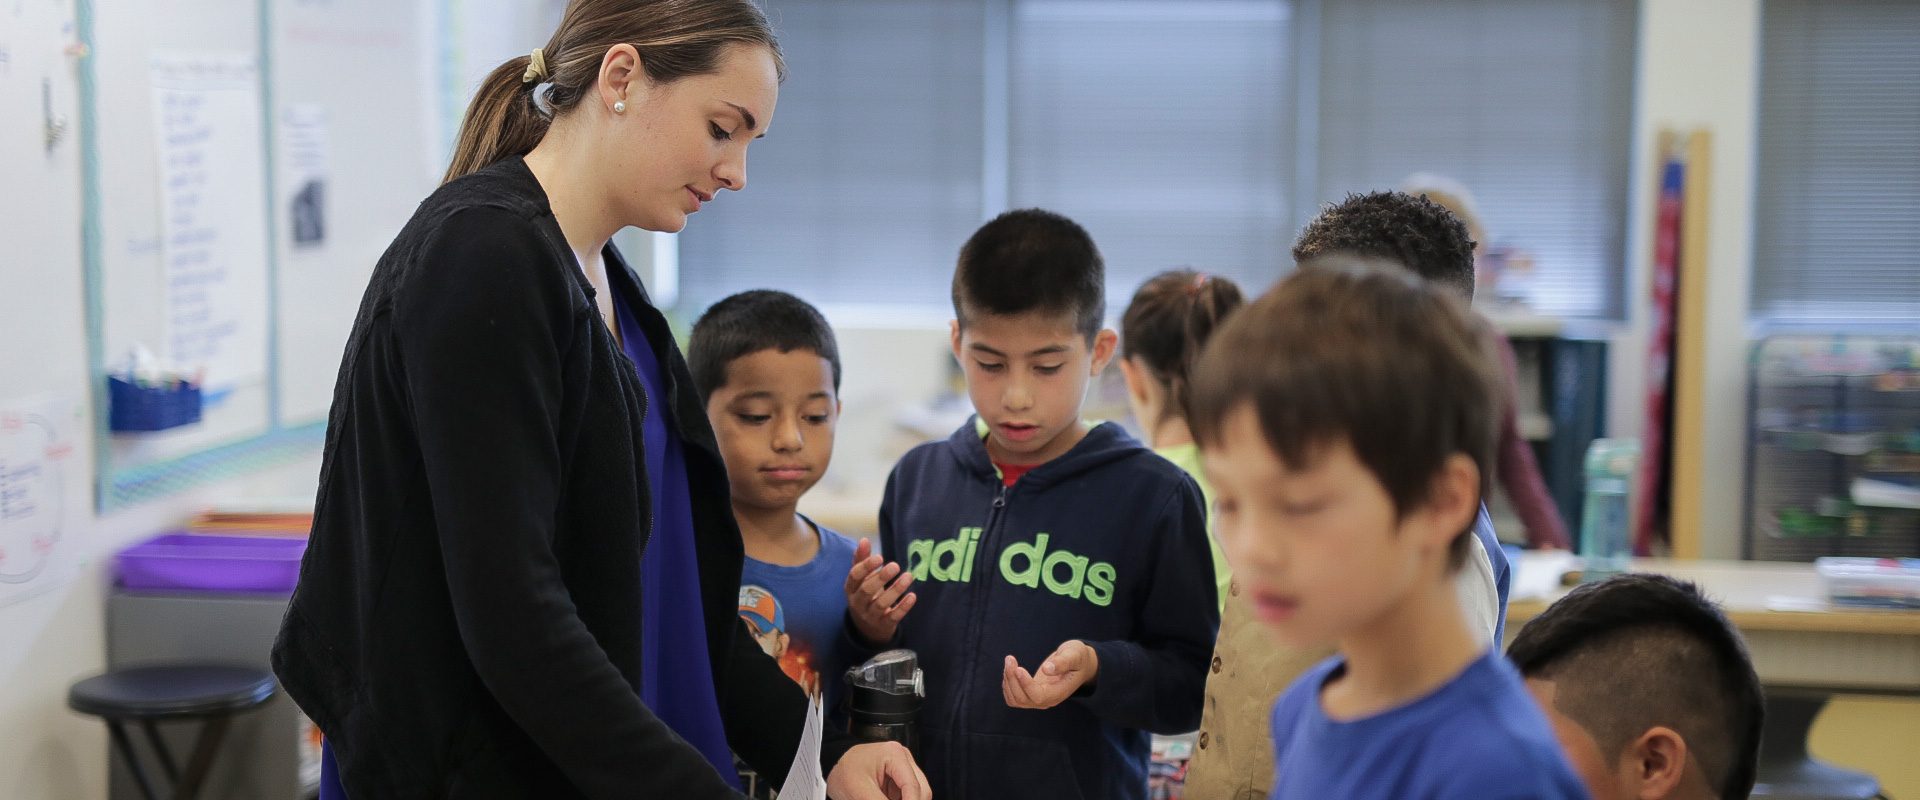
212 694
1786 771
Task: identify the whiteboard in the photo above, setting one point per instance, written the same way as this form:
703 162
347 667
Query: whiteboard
367 70
45 463
245 163
132 83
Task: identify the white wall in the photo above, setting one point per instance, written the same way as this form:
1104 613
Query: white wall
1698 68
52 639
888 365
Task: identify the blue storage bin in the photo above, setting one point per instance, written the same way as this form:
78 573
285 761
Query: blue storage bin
132 407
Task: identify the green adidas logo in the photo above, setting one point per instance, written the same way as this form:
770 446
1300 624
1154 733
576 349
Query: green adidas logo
1061 572
950 560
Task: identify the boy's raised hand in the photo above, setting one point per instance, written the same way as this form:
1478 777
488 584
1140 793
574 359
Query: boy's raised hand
1070 667
877 596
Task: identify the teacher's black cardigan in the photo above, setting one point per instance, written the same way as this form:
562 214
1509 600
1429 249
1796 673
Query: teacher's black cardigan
467 622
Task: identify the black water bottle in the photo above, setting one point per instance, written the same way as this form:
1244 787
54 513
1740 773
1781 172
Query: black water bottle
884 705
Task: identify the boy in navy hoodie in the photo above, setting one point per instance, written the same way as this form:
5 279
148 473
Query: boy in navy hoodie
1064 603
1345 420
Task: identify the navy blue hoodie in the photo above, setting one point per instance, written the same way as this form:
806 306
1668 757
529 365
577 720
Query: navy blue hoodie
1106 544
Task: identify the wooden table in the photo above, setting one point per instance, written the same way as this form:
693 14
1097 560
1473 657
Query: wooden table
1797 639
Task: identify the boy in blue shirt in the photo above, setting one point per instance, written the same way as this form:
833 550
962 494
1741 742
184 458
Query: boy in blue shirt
1234 759
1063 600
1345 421
768 368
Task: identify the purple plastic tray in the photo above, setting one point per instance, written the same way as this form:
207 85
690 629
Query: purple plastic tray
201 563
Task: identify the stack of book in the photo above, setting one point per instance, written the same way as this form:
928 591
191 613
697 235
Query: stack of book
279 517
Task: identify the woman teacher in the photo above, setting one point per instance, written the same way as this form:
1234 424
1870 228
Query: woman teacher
524 570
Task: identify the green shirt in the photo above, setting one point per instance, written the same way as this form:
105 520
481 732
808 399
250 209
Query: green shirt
1187 457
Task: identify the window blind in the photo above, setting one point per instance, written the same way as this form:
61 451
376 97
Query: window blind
869 178
1527 103
1837 206
1162 126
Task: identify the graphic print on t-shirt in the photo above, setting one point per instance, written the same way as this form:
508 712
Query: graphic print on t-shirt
768 621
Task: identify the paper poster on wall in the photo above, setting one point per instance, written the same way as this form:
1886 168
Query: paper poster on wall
303 170
213 236
44 495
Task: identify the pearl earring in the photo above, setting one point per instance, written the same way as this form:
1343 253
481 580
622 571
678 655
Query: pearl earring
619 106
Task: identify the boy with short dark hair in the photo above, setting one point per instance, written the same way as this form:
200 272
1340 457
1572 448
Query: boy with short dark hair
1435 242
1414 231
768 368
1649 688
1033 540
1346 420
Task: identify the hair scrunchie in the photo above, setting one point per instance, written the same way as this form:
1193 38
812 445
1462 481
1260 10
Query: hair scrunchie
536 68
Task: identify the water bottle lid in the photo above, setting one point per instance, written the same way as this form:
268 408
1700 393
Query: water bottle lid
893 672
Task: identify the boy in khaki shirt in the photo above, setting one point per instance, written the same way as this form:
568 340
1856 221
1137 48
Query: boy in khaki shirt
1234 758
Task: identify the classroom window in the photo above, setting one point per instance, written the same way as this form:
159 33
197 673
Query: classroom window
1196 133
905 125
1163 127
1837 206
1527 103
869 178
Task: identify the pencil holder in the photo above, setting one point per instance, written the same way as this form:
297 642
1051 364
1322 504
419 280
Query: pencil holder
132 407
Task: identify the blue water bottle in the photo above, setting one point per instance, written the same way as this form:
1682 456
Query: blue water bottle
1606 529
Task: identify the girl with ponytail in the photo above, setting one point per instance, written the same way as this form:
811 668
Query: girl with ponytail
1161 336
523 572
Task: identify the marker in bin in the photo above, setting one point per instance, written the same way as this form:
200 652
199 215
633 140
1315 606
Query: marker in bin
145 395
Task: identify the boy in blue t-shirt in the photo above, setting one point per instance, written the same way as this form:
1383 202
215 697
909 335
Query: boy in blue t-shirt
1063 600
768 368
1345 420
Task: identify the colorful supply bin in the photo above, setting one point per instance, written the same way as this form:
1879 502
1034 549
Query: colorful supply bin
188 562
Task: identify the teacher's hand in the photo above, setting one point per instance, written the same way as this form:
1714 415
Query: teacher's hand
878 771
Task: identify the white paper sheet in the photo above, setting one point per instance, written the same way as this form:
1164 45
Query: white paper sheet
213 226
303 174
44 495
804 779
1537 575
